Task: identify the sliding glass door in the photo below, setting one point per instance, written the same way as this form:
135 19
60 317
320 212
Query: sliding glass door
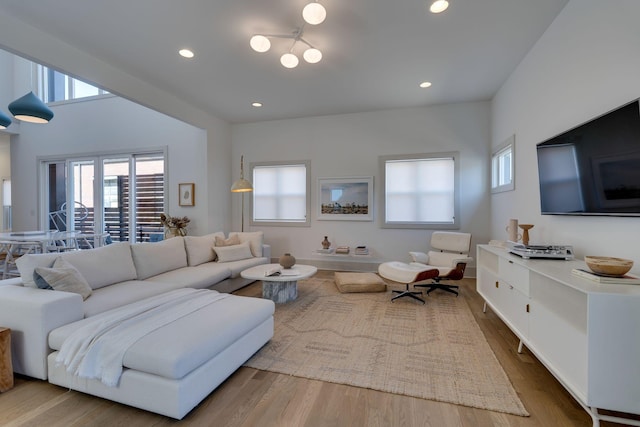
122 195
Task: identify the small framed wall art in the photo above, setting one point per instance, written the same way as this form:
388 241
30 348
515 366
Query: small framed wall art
345 199
187 194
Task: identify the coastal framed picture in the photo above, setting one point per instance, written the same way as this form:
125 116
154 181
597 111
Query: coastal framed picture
345 199
187 194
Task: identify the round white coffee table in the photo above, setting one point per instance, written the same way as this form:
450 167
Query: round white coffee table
283 287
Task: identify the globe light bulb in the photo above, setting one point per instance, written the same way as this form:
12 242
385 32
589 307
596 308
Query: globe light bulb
289 60
260 43
314 13
312 55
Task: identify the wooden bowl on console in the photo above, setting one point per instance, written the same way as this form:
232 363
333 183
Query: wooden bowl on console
608 265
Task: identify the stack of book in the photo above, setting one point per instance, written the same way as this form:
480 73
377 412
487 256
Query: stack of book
361 250
627 279
342 250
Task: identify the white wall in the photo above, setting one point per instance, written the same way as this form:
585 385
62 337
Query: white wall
586 63
102 126
348 146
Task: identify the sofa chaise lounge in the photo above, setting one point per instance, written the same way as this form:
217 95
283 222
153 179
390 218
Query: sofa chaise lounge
172 368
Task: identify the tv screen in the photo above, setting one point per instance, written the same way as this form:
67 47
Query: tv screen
593 169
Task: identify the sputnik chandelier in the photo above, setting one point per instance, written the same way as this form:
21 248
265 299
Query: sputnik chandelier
313 14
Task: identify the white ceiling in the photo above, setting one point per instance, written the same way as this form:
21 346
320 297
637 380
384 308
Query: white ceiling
376 52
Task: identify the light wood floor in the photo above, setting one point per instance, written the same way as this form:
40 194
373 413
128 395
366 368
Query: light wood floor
257 398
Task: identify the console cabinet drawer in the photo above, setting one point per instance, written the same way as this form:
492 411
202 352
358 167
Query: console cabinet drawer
514 274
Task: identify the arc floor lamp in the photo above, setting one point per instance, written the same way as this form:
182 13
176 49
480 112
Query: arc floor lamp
242 186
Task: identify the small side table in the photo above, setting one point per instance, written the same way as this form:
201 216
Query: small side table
6 368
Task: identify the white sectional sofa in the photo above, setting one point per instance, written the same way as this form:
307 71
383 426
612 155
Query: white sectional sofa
173 368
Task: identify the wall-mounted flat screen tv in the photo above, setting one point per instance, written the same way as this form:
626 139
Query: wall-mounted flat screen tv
593 169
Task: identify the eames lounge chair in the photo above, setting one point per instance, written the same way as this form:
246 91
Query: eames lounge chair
447 260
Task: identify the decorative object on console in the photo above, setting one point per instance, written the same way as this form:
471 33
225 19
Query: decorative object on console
174 225
564 252
326 244
287 260
625 279
512 229
525 232
608 265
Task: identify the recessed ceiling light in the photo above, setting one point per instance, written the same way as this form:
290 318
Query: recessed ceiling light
439 6
425 85
256 104
186 53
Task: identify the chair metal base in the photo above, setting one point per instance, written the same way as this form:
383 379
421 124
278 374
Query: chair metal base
433 286
407 293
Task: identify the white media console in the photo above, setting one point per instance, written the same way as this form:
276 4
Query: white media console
587 334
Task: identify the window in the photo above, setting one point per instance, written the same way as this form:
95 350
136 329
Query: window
119 194
420 191
502 170
281 193
54 86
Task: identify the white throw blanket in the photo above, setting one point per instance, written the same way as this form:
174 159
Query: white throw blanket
96 349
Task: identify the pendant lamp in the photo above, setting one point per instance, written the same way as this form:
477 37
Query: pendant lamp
5 120
30 109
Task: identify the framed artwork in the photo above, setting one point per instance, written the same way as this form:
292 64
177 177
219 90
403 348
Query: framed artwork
345 199
187 194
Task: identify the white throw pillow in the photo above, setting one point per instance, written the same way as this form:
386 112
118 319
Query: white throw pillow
156 258
27 264
255 239
234 252
200 248
63 276
105 265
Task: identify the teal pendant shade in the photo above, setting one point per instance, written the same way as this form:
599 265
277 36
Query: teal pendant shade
31 109
5 120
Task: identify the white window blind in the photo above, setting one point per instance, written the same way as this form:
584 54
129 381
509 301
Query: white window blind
280 193
420 191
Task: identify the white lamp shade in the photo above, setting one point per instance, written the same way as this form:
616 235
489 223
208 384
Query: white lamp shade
289 60
314 13
312 55
439 6
260 43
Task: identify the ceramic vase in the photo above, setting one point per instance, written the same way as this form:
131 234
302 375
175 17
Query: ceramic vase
326 244
287 260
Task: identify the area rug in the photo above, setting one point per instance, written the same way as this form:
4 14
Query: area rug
434 351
